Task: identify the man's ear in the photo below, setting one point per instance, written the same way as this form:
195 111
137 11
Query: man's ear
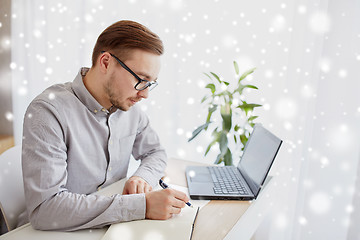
104 61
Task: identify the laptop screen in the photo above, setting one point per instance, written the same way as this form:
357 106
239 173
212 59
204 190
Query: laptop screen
259 154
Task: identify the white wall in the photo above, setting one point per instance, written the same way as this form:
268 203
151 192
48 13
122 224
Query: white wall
307 55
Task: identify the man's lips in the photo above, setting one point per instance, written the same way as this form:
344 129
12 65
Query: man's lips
134 100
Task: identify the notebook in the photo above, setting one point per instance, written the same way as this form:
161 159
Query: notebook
237 183
179 226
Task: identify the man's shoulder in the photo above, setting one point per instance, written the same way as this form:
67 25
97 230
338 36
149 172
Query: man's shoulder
55 95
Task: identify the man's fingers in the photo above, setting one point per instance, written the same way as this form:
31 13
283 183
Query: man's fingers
147 188
136 185
181 196
175 210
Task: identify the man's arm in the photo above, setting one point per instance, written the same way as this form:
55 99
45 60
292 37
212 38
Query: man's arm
148 149
49 204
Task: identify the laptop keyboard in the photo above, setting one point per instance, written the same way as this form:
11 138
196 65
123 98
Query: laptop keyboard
227 181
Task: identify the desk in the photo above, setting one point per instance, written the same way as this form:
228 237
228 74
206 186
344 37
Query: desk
216 220
6 142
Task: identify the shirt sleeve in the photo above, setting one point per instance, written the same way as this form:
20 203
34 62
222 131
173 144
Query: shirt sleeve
50 205
148 149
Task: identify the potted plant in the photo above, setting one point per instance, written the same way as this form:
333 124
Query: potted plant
236 114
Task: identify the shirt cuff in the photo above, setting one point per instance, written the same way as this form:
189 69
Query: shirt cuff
131 207
149 178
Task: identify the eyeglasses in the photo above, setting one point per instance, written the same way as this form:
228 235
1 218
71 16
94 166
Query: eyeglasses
142 83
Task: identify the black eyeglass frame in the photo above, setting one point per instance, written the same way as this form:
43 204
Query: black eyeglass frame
151 85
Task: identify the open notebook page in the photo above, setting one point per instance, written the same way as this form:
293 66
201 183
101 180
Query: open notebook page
179 226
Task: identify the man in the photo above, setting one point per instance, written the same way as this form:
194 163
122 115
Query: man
78 138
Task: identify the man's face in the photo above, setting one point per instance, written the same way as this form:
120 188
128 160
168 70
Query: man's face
119 88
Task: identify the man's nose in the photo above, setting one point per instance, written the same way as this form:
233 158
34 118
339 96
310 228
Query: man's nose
144 93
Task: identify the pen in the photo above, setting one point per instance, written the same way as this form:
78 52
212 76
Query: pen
164 185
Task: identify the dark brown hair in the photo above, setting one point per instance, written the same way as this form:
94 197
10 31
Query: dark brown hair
123 36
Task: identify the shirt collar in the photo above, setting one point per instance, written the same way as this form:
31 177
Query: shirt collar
85 96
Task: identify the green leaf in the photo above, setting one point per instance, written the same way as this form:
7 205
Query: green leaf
209 147
219 159
215 140
226 83
248 106
236 66
216 76
235 139
243 139
241 88
226 114
228 158
211 110
204 99
250 86
212 87
198 130
245 74
252 118
236 128
208 76
223 142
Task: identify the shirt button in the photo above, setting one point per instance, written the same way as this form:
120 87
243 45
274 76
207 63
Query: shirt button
110 169
103 110
99 188
110 142
95 111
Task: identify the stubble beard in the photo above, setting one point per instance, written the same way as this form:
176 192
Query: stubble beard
113 101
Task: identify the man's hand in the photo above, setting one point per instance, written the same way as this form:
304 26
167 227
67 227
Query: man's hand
162 204
136 185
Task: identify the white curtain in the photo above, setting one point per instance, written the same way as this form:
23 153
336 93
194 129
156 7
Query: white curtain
307 55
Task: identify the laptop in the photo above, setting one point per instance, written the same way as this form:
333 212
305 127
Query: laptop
237 183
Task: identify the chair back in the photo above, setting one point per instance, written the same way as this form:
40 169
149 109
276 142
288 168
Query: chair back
12 197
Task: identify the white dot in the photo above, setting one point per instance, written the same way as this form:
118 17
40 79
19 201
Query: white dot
181 153
37 33
325 65
48 71
302 221
342 73
190 101
320 203
266 106
319 22
51 96
324 161
22 91
41 59
0 24
269 74
307 91
144 108
88 18
12 65
281 221
199 149
278 23
302 9
192 173
180 131
286 108
288 126
9 116
349 209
